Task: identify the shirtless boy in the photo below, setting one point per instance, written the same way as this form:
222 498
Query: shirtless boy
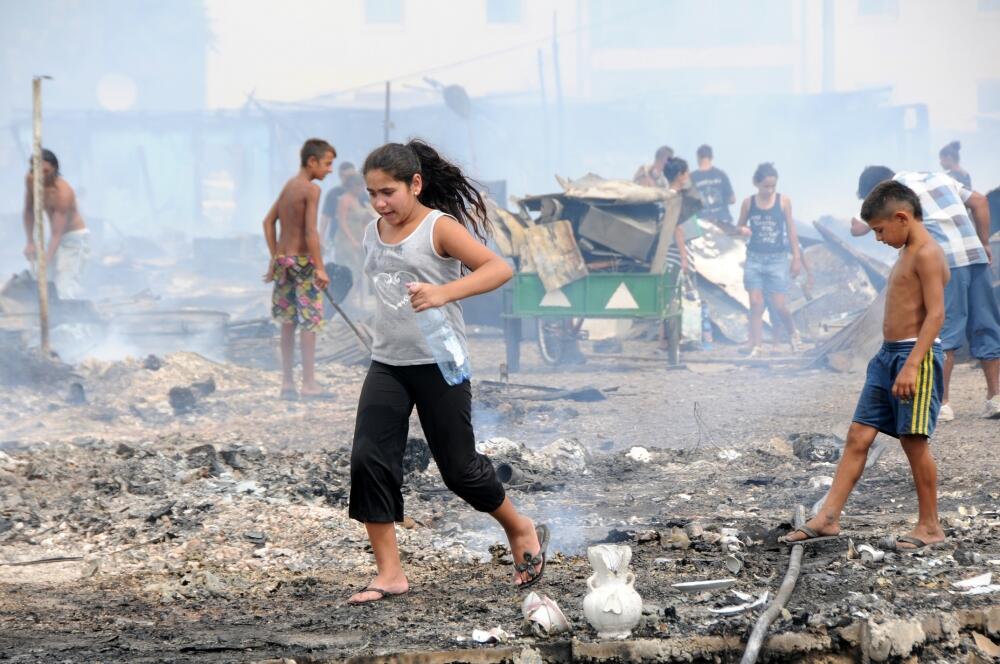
69 240
296 266
903 386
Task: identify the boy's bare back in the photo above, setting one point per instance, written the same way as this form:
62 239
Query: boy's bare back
920 273
297 200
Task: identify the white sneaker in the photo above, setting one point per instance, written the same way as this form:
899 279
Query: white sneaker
795 342
992 411
946 414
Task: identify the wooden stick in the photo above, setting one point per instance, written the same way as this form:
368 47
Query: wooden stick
38 191
357 332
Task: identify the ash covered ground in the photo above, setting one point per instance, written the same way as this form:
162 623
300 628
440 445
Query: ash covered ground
216 531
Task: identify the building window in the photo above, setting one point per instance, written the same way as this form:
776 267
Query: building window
989 5
878 7
384 11
504 11
989 95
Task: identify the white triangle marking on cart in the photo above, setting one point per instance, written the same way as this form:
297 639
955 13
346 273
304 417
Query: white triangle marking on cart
555 298
622 299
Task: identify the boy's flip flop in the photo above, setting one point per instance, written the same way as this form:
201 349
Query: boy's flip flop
382 594
530 561
811 537
891 542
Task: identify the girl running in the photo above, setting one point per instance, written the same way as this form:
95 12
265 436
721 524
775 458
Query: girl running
767 219
415 253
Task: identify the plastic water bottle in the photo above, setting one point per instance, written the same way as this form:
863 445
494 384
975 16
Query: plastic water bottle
706 326
448 352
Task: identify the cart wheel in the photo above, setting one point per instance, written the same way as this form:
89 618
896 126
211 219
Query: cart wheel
554 334
512 342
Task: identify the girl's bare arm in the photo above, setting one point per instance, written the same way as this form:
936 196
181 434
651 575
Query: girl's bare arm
489 271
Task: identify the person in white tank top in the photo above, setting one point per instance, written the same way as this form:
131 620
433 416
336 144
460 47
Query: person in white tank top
427 208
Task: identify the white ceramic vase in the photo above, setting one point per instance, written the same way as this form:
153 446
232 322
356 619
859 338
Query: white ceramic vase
612 606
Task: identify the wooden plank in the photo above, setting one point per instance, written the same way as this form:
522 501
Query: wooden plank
554 254
671 213
509 234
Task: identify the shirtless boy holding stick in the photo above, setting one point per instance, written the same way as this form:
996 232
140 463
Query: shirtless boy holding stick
296 266
903 386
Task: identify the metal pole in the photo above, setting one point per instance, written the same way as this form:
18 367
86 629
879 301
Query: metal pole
388 120
546 138
37 193
557 78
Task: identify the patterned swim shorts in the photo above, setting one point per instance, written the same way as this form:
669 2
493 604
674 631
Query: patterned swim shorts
296 298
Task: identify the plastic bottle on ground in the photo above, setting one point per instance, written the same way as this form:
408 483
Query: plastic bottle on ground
706 326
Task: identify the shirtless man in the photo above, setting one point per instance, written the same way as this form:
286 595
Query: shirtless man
651 175
296 266
903 387
69 242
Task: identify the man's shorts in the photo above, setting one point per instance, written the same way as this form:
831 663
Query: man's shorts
971 312
71 259
296 298
767 272
894 417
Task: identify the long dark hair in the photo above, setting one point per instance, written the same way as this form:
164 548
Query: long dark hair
445 187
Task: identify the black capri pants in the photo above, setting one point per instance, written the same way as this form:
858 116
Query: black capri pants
380 432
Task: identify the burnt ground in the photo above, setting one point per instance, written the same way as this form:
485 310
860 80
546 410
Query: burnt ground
220 534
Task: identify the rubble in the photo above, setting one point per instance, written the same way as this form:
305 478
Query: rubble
749 602
223 532
816 446
639 454
870 554
494 635
543 615
703 586
182 399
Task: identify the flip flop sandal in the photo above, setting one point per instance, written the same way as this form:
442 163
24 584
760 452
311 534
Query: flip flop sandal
811 537
289 395
383 594
530 562
891 542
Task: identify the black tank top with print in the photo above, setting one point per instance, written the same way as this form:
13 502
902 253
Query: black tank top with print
769 232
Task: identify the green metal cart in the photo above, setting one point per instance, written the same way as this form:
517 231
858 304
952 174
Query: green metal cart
559 315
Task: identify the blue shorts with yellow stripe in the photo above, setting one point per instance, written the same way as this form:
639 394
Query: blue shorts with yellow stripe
894 417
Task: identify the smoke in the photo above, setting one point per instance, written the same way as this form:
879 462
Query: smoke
75 342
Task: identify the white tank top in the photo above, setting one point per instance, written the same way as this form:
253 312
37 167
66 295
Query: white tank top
389 267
